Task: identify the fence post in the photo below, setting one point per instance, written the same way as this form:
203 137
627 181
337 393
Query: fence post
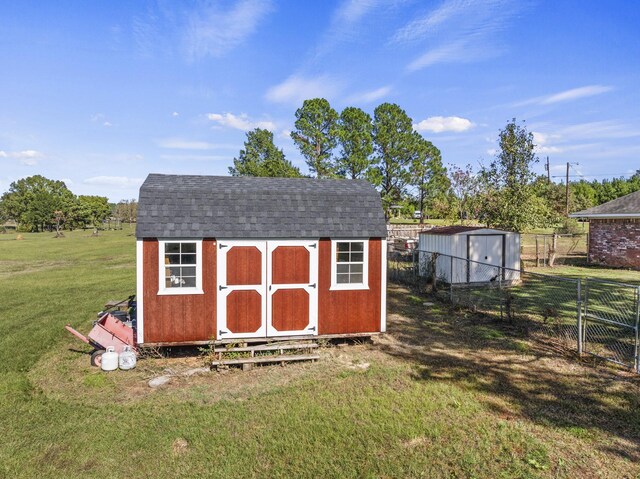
451 281
579 304
500 274
637 349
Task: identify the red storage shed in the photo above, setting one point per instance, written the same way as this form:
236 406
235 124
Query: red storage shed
228 258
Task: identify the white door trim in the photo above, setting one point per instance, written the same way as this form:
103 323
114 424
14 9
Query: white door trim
223 290
311 287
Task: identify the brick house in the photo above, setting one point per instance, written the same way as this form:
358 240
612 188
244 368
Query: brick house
614 231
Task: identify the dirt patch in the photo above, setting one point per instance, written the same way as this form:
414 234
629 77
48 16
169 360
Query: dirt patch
69 377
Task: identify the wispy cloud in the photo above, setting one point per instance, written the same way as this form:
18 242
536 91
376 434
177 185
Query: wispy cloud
295 89
370 96
26 157
439 124
240 122
212 31
101 118
566 95
184 144
121 182
583 137
458 31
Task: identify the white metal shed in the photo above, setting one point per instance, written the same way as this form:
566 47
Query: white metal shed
470 254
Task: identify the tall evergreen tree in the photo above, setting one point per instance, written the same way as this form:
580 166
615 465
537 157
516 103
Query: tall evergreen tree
355 137
393 146
261 157
316 135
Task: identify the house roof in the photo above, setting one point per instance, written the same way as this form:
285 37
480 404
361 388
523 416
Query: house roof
627 206
451 230
189 206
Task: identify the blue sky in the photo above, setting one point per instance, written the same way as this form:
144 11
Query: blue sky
100 94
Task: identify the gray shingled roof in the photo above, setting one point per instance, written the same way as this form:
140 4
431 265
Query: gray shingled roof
185 206
628 205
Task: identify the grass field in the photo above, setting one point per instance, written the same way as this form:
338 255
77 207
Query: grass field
443 394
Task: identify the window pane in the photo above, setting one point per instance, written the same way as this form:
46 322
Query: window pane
189 271
342 268
189 282
188 247
343 257
356 257
174 271
172 247
188 259
358 246
171 259
344 246
356 278
356 268
343 278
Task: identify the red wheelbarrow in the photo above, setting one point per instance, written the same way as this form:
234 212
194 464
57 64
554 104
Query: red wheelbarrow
107 331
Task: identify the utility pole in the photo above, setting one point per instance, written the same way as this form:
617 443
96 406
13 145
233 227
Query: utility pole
548 171
567 189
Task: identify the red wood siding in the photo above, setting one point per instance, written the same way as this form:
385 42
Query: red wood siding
178 318
244 311
290 265
290 309
342 312
244 265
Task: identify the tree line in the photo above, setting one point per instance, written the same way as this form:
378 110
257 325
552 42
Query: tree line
383 149
38 204
409 173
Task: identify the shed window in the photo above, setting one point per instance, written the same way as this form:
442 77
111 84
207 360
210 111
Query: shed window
180 267
349 266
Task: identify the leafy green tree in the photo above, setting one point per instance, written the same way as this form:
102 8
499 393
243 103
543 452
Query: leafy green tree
33 201
465 187
427 174
584 195
261 157
93 210
355 137
394 149
316 135
509 200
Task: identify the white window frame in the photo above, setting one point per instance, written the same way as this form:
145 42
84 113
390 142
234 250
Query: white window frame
162 288
335 286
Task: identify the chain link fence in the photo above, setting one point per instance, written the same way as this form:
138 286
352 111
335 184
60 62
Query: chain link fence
589 316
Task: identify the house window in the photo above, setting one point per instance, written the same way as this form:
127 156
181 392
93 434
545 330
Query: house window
180 267
349 266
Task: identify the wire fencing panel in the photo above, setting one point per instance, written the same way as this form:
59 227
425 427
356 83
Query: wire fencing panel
610 325
597 317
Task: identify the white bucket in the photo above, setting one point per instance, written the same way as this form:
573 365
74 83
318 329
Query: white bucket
109 360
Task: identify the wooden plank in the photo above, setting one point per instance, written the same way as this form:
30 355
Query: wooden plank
159 344
266 347
290 265
244 265
266 359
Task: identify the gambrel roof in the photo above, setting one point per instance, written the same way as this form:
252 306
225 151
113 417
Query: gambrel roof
190 206
627 206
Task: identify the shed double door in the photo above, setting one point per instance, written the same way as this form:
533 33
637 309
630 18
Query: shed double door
485 252
267 288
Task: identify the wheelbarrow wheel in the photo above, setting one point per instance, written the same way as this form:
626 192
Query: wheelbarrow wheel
96 357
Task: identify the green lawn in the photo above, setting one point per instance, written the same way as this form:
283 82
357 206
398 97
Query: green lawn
442 395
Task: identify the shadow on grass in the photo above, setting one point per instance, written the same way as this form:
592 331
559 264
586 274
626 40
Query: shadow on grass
516 377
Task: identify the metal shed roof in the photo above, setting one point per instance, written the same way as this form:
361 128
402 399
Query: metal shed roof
190 206
627 206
